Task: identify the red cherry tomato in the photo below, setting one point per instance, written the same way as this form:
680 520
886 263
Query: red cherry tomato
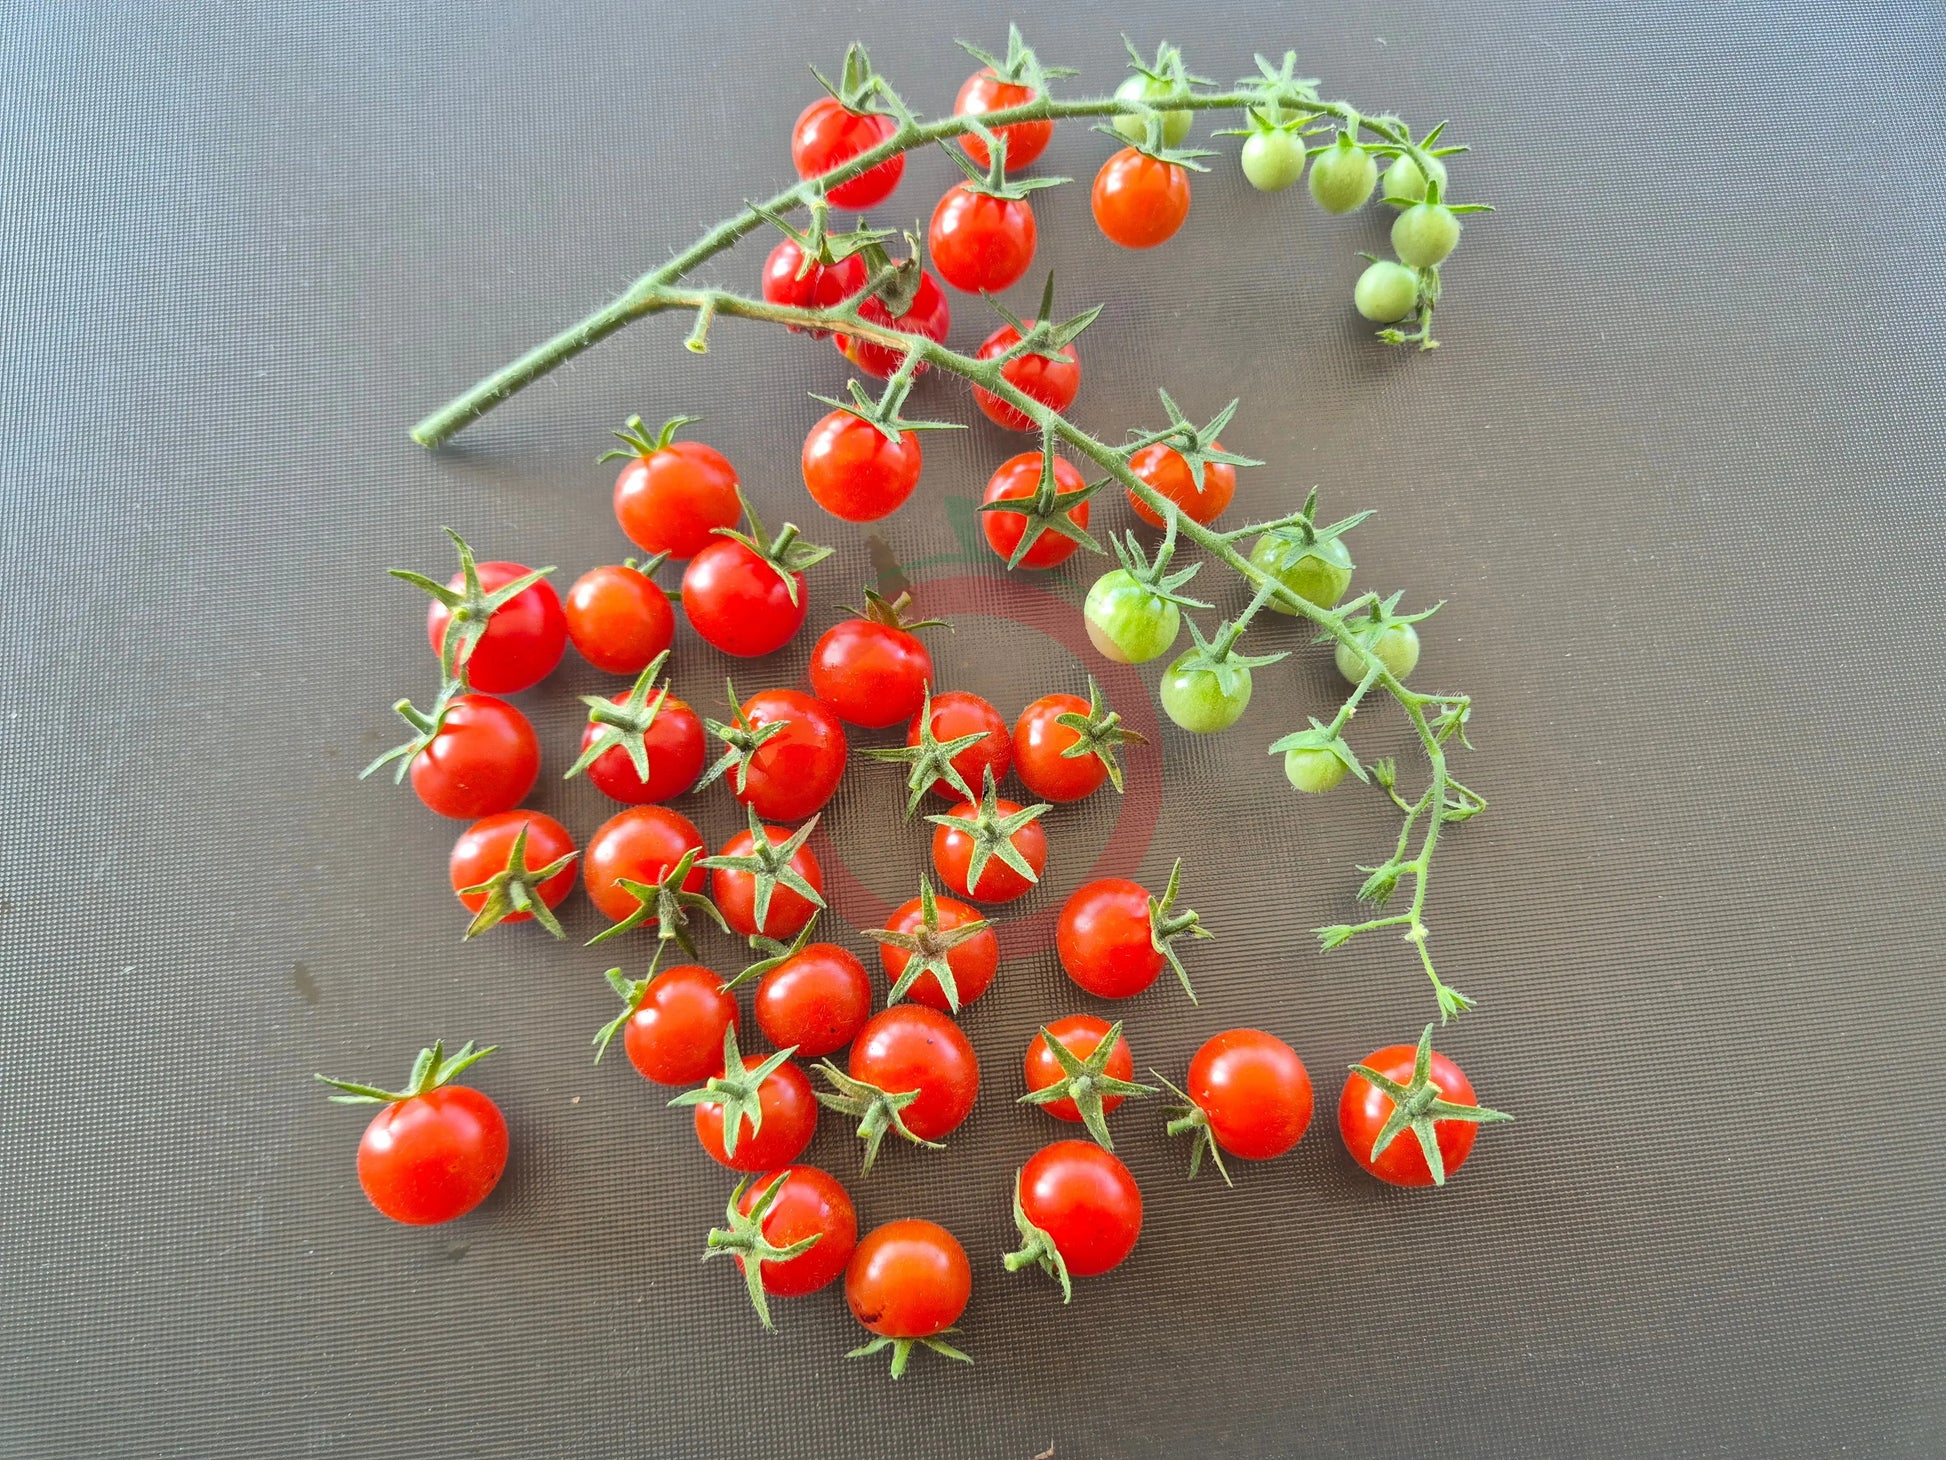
952 857
675 746
827 136
1161 468
433 1157
817 999
1103 939
794 772
736 891
483 760
813 1203
641 844
483 848
854 471
670 498
870 672
929 315
738 602
524 639
1363 1109
675 1036
618 619
973 963
1255 1092
908 1279
1080 1035
911 1047
1054 383
958 713
790 1116
1020 476
1038 742
984 92
819 287
1138 201
981 243
1086 1201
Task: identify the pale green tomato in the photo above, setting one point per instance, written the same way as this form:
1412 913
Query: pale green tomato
1175 125
1397 648
1319 571
1424 234
1312 770
1195 700
1272 161
1405 183
1127 622
1342 178
1386 292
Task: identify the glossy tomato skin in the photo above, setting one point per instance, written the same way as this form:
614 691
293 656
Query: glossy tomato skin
1054 383
908 1279
433 1157
973 962
929 315
813 1203
675 746
673 499
1255 1091
870 673
1020 476
618 619
524 640
854 472
736 892
482 851
790 1116
912 1047
827 135
1086 1200
797 770
738 602
1163 469
1080 1035
1038 743
676 1036
952 857
981 243
819 288
984 92
641 844
1138 201
956 713
817 999
484 759
1363 1109
1103 939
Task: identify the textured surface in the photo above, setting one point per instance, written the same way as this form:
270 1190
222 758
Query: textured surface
1677 473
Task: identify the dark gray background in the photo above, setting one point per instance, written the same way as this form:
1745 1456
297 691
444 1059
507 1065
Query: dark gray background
1677 472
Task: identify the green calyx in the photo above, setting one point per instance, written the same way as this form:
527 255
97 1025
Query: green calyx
1154 575
743 740
1303 534
1085 1082
743 1238
891 613
775 955
816 242
515 888
1041 335
902 1350
929 949
1098 731
1418 1106
426 725
1155 144
930 760
1168 923
736 1090
992 834
625 726
1368 616
769 863
635 436
1198 449
875 1110
1048 508
1218 654
469 607
786 554
1188 1119
1020 66
858 85
1281 91
429 1071
884 411
1037 1248
668 904
992 181
1323 738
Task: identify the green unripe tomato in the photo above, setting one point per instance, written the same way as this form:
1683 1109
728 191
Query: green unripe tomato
1272 161
1397 648
1319 571
1195 700
1386 292
1406 183
1175 125
1312 770
1127 622
1343 177
1424 234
